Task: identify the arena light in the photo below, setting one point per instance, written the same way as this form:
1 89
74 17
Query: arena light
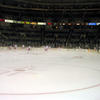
64 24
60 23
9 21
69 23
92 24
41 23
56 27
77 24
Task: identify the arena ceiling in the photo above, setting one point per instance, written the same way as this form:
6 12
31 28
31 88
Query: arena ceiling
53 1
57 5
60 1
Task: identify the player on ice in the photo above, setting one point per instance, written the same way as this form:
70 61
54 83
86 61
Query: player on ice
15 46
46 48
28 49
23 46
10 47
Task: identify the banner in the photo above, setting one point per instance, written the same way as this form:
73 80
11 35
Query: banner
2 20
33 23
27 22
92 24
9 21
41 23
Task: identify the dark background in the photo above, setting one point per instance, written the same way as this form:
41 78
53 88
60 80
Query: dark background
55 12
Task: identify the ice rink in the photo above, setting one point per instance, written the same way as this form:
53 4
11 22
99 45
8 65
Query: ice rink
56 74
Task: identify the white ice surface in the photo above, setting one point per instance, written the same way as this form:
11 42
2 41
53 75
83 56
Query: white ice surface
58 74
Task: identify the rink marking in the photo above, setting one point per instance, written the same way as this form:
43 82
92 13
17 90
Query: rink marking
77 57
4 72
16 71
55 92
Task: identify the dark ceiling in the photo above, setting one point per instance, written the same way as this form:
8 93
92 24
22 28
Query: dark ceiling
51 4
60 1
53 1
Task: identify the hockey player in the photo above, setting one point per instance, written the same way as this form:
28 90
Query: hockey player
46 48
